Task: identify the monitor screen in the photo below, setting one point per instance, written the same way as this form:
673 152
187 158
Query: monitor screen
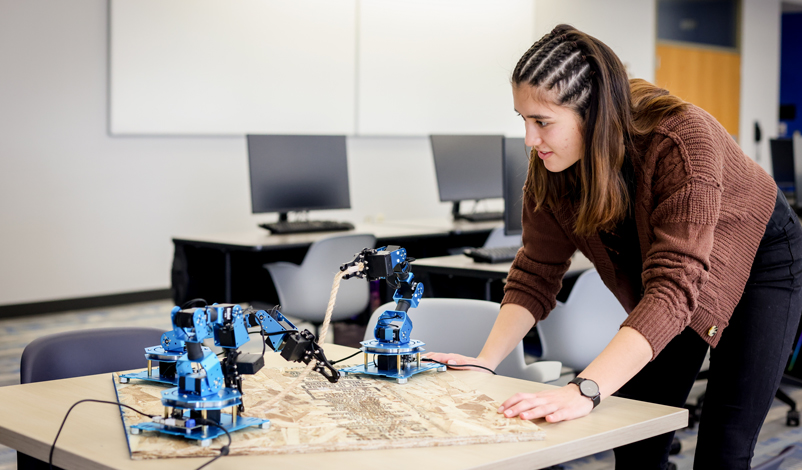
515 165
467 166
782 163
298 172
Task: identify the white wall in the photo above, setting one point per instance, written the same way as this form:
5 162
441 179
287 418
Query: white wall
83 213
760 76
628 27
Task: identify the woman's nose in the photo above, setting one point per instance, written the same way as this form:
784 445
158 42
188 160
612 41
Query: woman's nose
532 138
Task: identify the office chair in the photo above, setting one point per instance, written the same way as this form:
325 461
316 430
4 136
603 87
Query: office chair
461 326
498 239
304 290
86 352
576 331
82 352
775 462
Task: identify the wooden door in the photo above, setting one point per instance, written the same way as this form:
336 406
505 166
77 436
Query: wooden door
709 77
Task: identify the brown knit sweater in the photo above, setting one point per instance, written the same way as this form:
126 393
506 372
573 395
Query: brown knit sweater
701 207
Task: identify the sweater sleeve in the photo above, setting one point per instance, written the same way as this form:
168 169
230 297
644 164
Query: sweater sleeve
536 274
687 193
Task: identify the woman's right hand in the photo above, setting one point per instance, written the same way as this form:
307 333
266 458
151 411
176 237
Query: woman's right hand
459 359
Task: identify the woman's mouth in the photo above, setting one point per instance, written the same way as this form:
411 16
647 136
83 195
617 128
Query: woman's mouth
544 155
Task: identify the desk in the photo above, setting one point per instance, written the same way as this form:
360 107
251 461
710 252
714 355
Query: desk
93 436
228 266
449 225
461 265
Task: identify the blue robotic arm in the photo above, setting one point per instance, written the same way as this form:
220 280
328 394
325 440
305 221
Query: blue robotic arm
392 264
206 384
395 353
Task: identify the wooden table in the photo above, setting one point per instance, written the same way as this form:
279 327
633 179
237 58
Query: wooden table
93 437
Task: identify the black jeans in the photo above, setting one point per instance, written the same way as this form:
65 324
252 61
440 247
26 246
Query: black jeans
745 367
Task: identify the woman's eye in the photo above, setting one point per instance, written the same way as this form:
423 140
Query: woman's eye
542 123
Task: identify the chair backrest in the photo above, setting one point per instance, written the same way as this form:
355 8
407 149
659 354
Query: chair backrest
576 332
304 290
459 326
775 462
86 352
498 239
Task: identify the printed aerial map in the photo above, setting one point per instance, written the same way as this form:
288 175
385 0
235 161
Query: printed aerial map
359 412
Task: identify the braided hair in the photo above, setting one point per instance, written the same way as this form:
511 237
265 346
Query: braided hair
580 72
557 64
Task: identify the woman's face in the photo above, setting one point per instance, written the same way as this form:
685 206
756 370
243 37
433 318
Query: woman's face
554 131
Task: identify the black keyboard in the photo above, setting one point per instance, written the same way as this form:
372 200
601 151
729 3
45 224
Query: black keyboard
482 216
305 226
493 255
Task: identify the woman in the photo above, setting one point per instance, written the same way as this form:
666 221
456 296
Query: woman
692 237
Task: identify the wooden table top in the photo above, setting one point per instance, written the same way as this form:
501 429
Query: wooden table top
94 436
466 266
260 239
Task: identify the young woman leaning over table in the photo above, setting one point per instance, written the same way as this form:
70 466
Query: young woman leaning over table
692 237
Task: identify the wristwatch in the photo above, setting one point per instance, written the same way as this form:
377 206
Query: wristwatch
588 388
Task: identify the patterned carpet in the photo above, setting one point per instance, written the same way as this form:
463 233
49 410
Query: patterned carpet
17 332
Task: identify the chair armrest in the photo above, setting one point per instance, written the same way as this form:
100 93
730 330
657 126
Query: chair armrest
285 279
543 371
280 266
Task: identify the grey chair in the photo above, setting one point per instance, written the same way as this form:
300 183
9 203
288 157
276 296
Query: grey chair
461 326
304 290
576 331
83 352
86 352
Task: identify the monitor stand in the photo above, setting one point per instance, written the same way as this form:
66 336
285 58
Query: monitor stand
476 216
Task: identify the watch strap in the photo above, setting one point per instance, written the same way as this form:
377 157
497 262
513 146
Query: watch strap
596 399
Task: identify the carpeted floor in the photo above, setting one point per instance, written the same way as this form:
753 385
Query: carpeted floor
18 332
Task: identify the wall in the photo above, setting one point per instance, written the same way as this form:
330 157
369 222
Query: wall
85 214
627 26
760 76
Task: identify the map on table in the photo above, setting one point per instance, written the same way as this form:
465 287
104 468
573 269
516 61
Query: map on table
359 412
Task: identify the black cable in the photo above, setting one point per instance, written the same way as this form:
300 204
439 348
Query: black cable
273 333
223 450
264 340
53 447
459 365
345 358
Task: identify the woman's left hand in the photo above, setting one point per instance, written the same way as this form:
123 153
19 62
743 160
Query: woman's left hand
561 404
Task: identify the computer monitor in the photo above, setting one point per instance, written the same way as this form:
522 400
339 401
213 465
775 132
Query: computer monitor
782 165
515 165
468 167
297 173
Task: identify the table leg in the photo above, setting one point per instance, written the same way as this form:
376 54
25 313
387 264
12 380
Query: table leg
228 276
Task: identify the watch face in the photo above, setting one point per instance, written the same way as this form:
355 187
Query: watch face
589 388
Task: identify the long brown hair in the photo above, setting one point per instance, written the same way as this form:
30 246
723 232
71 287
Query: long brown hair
616 114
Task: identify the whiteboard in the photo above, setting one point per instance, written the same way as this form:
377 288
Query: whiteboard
232 67
440 66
